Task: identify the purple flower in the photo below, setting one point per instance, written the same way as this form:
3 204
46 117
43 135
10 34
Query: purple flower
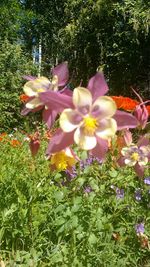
138 195
88 189
119 193
147 180
139 228
71 174
89 161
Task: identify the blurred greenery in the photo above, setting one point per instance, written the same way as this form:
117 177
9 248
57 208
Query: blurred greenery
46 222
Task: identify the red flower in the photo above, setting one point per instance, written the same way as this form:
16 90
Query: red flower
15 143
23 98
125 103
2 136
148 109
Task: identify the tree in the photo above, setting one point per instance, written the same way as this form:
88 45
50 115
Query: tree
113 35
13 65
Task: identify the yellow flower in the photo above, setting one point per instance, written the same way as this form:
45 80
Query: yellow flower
63 160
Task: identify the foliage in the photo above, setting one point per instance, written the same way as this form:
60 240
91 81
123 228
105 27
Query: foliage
113 35
13 65
13 19
82 222
106 34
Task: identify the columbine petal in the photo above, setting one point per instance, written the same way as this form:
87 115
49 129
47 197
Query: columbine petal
41 82
97 85
130 162
66 91
29 90
143 161
143 141
101 148
145 149
61 71
84 141
59 141
56 100
127 151
33 87
121 161
69 120
125 120
139 170
107 128
82 98
25 111
103 107
128 137
49 116
34 103
29 77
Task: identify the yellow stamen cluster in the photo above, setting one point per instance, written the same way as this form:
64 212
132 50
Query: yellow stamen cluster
40 90
61 161
135 156
90 125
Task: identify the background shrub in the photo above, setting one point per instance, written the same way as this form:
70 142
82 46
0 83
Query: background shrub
14 63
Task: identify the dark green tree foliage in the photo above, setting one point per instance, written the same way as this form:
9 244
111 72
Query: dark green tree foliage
14 20
113 35
49 19
13 65
10 14
14 62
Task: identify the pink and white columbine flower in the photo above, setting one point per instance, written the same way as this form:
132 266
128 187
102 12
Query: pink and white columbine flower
136 156
89 120
35 86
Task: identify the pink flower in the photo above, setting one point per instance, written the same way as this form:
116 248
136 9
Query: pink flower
35 86
136 156
90 119
141 112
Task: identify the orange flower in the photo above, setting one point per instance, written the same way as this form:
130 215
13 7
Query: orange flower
148 109
2 136
48 135
34 136
23 98
15 143
125 103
